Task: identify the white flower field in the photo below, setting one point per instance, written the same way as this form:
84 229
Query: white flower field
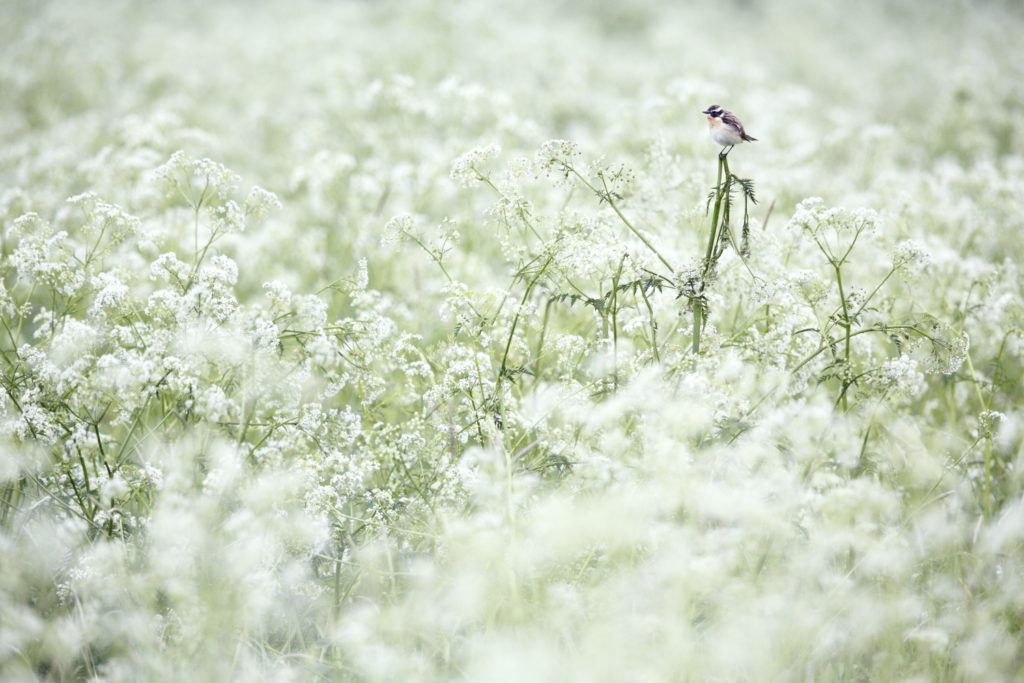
433 341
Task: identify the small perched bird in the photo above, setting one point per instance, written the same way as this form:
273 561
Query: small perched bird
725 128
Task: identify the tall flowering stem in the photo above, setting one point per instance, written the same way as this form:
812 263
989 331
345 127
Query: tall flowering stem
722 195
719 192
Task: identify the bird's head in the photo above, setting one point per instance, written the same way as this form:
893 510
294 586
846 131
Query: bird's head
714 111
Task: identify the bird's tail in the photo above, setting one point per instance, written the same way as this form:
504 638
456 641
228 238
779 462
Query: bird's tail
749 138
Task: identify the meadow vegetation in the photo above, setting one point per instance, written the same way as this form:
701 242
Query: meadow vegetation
429 341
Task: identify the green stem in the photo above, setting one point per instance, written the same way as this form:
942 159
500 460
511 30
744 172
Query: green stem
611 202
515 323
654 325
724 230
698 323
846 329
870 296
987 504
487 181
824 347
615 325
709 254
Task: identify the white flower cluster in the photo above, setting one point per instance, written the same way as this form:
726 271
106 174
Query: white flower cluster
48 258
900 378
467 170
103 216
200 181
111 294
812 215
555 157
259 203
396 229
988 423
911 258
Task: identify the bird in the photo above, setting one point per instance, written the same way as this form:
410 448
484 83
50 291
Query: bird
725 128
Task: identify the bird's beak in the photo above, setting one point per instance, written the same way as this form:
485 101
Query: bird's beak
706 111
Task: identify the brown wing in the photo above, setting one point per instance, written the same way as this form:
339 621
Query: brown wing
729 118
